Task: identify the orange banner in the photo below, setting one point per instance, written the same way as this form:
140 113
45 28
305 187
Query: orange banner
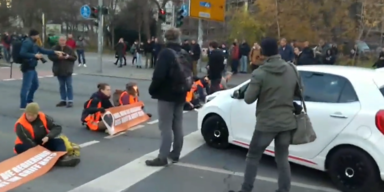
121 118
27 166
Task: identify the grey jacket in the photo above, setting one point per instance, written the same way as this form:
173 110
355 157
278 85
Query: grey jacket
81 44
274 86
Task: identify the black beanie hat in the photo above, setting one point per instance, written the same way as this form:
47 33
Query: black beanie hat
269 47
33 32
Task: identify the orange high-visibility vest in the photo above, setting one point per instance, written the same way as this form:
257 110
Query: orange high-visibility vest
27 126
131 98
92 120
190 93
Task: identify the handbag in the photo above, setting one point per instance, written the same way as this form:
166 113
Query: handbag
304 133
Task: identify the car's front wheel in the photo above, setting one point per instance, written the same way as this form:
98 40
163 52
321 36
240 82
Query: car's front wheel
353 170
215 132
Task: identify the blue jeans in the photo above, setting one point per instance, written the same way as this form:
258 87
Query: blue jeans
244 64
139 61
55 144
80 56
7 55
30 84
66 89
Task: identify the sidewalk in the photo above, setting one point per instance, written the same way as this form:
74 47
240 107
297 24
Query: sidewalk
111 70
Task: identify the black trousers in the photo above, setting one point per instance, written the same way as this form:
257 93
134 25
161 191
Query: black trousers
123 57
153 59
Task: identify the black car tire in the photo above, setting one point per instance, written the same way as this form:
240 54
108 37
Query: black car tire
215 132
353 170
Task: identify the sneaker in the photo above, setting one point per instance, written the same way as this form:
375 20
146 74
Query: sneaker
157 162
84 65
61 104
69 104
68 161
79 65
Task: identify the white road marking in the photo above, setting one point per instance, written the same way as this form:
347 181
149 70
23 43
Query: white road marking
136 127
153 122
260 178
89 143
116 181
113 136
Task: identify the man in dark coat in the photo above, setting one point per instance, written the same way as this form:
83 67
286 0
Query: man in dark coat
62 68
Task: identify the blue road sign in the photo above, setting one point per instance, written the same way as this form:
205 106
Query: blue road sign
85 11
205 4
184 7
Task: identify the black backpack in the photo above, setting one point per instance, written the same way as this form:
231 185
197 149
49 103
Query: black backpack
16 46
181 71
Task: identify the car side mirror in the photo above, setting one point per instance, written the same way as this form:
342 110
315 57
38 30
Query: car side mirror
236 94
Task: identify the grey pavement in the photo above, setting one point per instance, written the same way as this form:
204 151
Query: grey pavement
201 168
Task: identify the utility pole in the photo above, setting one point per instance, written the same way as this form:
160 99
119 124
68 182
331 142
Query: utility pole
200 40
100 37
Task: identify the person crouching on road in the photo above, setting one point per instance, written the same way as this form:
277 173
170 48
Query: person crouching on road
36 128
95 107
130 95
31 53
62 68
197 94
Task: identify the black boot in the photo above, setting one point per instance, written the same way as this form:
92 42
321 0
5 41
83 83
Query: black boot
61 104
68 161
157 162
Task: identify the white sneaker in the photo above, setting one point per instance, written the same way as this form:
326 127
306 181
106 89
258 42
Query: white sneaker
84 65
79 65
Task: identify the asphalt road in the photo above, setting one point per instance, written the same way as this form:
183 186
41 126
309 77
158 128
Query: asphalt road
117 164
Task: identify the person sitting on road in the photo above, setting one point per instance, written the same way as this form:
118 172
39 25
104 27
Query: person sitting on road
129 96
36 128
197 94
95 107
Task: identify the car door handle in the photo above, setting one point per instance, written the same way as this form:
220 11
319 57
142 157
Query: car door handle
338 115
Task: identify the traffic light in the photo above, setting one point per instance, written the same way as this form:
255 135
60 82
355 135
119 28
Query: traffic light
105 11
95 13
162 15
180 18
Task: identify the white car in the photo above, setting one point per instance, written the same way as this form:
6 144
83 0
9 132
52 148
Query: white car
346 107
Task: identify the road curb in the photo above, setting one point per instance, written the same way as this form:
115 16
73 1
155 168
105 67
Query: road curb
114 76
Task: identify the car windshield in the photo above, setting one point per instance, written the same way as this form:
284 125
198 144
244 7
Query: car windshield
362 45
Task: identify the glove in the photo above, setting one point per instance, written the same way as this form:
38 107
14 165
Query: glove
102 110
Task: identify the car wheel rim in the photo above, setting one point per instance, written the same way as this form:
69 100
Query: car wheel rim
351 172
217 134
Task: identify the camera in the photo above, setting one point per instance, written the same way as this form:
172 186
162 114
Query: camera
43 60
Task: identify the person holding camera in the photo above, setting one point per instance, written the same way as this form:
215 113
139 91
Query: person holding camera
62 68
31 53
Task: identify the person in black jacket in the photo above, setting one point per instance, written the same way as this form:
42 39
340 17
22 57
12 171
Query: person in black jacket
165 87
380 62
329 58
195 54
215 66
307 55
148 53
120 52
93 109
186 46
156 48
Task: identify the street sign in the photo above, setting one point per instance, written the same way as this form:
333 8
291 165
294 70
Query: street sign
85 11
186 11
213 10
